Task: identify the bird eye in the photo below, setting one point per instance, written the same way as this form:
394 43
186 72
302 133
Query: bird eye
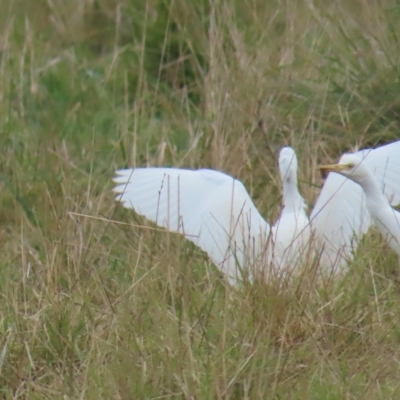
351 165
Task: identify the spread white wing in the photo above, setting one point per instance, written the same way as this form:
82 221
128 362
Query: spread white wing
211 209
340 217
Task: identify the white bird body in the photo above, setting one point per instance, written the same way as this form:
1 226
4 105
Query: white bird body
388 222
386 219
291 236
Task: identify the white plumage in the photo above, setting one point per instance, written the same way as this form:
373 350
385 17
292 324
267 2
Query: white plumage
385 218
340 216
214 211
291 233
210 208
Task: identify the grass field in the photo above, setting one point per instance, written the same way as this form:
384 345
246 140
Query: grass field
92 309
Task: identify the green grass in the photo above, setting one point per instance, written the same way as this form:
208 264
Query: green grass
91 309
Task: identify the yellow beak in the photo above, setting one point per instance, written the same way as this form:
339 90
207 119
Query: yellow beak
332 167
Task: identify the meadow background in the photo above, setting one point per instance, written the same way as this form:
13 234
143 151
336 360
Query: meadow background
91 309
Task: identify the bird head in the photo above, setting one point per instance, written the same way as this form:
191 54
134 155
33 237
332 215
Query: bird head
350 166
288 164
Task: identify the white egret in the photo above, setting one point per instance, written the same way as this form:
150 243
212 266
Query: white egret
340 216
291 233
215 211
383 215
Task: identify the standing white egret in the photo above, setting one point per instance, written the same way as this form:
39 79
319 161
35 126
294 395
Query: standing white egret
214 211
340 216
383 215
291 233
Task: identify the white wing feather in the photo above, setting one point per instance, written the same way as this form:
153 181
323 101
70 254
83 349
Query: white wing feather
211 209
384 162
340 217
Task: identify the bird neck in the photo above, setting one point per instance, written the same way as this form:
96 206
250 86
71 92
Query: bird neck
374 197
292 200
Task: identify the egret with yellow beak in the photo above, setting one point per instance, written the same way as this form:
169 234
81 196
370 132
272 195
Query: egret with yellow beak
383 215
